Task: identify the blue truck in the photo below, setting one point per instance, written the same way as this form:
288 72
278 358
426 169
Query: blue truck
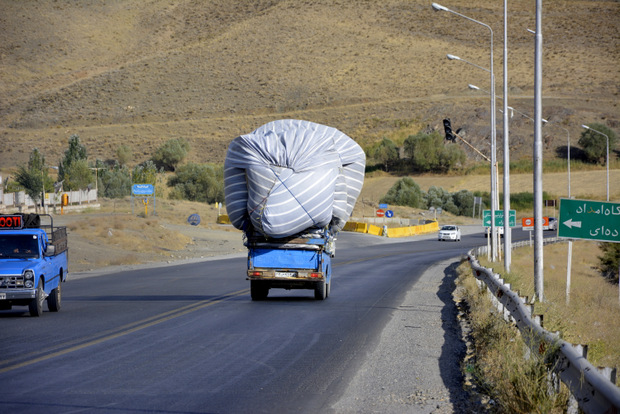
300 262
33 262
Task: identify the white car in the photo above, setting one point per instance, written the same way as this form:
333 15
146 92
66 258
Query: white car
500 231
449 233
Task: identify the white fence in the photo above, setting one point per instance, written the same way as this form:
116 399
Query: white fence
22 201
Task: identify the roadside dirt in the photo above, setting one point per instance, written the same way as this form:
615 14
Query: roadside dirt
105 240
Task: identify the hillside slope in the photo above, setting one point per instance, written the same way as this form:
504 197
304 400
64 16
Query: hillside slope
139 73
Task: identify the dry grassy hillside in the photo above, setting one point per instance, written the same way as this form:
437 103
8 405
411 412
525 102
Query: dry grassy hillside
141 72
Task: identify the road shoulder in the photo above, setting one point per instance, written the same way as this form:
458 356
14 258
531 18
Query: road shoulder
416 366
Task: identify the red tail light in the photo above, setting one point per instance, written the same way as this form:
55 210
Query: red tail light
315 275
256 273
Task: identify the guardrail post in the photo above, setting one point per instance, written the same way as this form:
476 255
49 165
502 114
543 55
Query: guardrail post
539 319
573 405
609 373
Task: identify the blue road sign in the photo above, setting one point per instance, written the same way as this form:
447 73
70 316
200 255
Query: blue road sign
389 214
194 219
142 189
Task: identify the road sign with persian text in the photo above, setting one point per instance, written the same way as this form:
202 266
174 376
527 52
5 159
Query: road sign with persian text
590 220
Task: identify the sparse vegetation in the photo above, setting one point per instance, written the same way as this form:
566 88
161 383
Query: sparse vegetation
500 366
406 192
590 316
208 74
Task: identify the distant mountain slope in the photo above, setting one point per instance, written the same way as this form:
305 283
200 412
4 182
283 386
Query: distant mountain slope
140 72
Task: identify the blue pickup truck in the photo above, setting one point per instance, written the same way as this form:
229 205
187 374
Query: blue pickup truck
300 262
33 262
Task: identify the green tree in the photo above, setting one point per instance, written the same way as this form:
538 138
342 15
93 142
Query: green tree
428 152
385 152
171 153
198 182
78 176
609 262
115 182
423 151
145 173
595 145
34 178
464 200
73 168
405 192
450 156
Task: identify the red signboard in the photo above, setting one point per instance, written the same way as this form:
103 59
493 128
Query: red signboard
380 213
10 222
528 223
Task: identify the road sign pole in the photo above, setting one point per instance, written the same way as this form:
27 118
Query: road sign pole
568 270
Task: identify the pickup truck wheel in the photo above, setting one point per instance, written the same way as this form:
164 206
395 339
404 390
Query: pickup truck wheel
54 299
258 291
36 305
320 292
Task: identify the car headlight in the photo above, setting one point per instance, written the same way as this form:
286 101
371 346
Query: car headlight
29 275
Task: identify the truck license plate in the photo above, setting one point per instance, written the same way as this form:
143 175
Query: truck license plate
2 296
286 274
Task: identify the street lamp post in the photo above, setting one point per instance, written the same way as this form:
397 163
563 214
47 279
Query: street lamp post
607 160
438 7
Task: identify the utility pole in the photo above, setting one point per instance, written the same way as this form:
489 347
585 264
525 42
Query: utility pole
538 210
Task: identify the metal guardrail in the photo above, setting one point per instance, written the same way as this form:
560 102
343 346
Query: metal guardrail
593 392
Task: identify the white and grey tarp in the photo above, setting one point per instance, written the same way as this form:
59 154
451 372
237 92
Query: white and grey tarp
292 176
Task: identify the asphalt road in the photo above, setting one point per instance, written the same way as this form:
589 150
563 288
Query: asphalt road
188 339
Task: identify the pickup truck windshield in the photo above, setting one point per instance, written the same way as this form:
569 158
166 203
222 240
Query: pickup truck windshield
19 246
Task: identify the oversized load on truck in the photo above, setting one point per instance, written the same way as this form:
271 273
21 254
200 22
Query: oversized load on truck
292 176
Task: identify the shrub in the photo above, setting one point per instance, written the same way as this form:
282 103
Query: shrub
124 154
464 201
115 183
145 173
595 144
198 182
405 192
429 153
609 262
170 154
385 152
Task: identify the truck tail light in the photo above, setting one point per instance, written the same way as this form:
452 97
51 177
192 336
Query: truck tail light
255 273
314 274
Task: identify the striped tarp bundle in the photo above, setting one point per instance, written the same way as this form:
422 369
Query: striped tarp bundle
291 176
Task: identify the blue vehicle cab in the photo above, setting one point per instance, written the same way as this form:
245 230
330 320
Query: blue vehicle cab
33 263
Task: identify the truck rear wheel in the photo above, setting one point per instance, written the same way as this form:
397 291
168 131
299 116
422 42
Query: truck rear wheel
320 291
36 305
258 290
54 299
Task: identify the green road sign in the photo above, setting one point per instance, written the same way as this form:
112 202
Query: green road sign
591 220
499 218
